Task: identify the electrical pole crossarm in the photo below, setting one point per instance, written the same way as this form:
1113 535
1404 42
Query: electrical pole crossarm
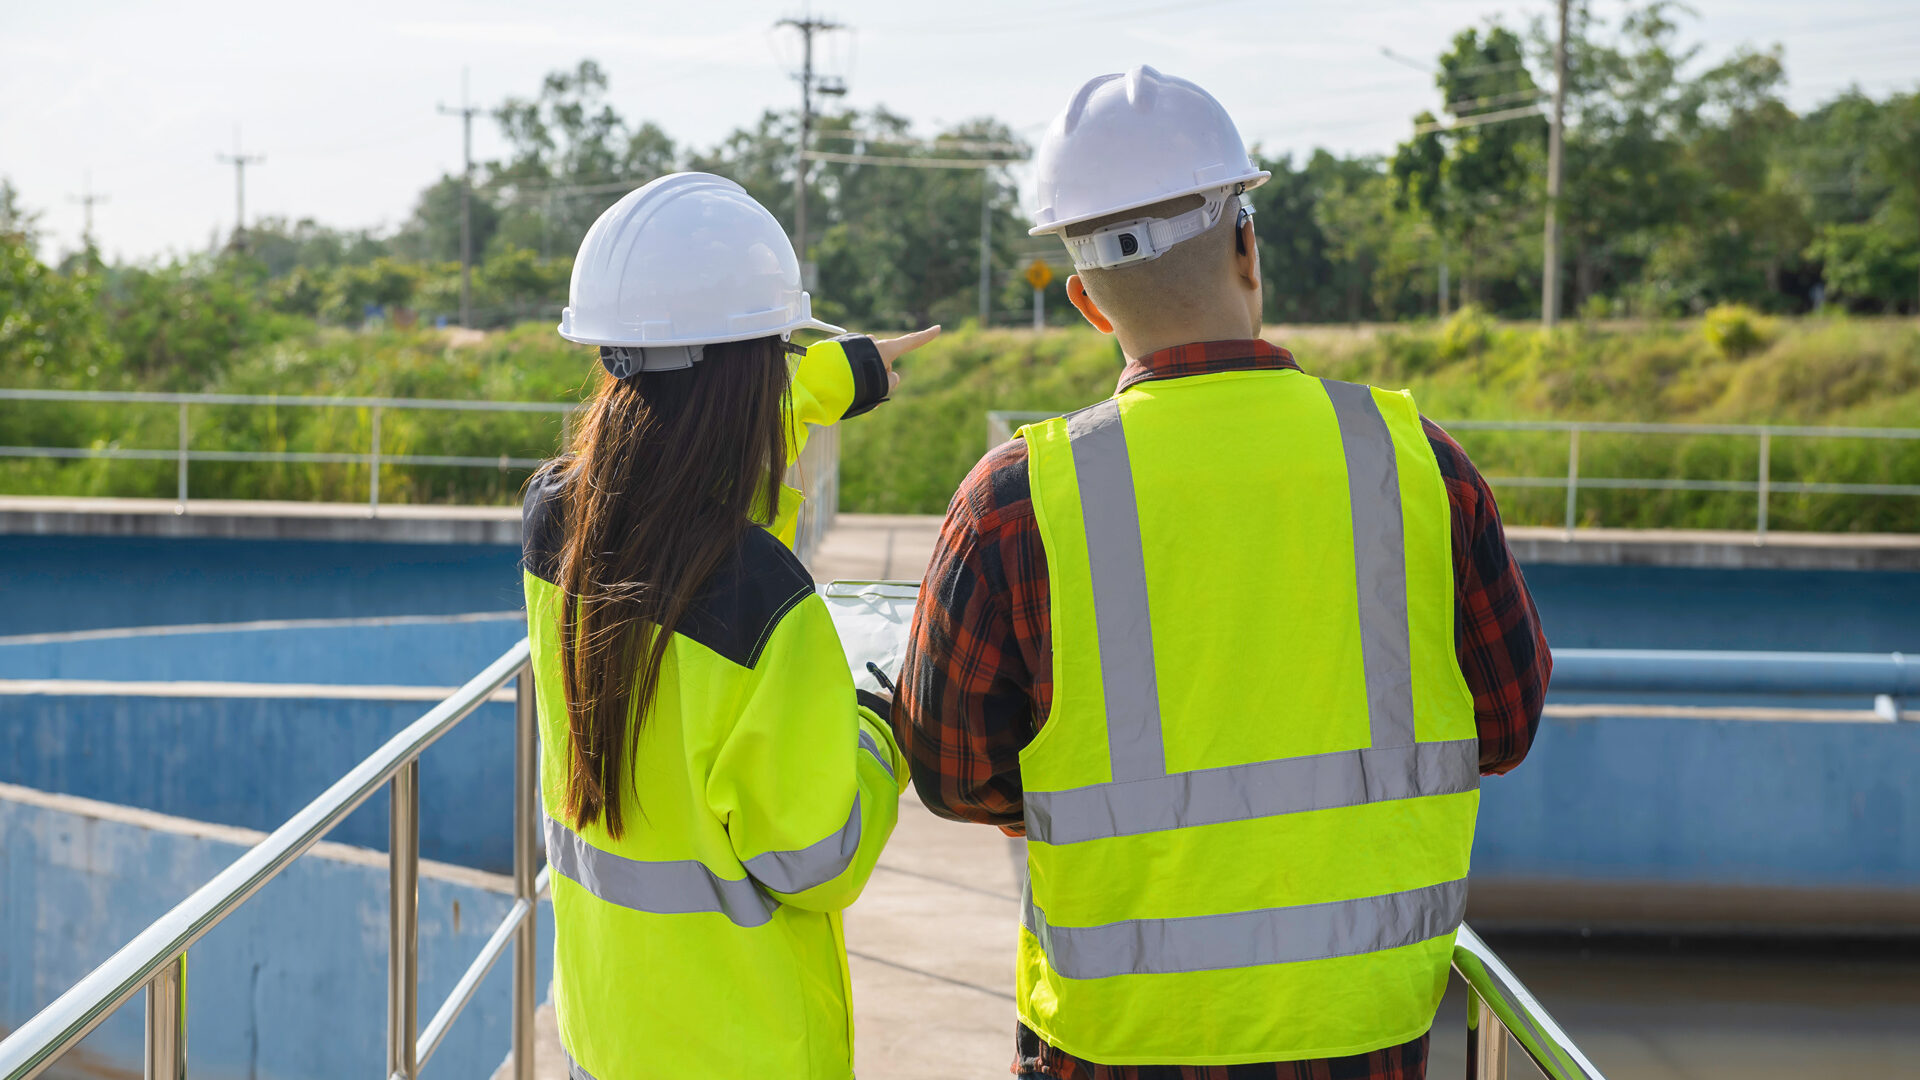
808 26
239 161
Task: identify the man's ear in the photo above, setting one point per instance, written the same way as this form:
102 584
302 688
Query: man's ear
1077 295
1246 256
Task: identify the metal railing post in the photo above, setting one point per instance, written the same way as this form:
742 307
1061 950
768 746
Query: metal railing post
166 1051
525 809
403 926
1486 1040
1766 470
182 508
373 479
1573 475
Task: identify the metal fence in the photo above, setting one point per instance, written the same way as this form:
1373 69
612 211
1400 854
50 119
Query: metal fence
156 959
1002 423
817 472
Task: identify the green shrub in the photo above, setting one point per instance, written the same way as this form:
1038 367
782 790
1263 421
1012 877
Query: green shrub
1737 331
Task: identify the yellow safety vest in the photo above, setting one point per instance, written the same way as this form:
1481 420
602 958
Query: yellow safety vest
1250 810
706 941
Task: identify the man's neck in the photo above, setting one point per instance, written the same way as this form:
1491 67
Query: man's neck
1138 343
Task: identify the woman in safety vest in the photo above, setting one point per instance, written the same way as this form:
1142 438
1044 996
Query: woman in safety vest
715 791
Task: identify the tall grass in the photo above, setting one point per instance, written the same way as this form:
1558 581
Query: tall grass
909 456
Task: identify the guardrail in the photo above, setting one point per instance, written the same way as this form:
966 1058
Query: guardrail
1499 1005
1002 423
817 472
156 959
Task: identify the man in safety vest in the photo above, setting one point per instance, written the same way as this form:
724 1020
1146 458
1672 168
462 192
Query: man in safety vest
1230 648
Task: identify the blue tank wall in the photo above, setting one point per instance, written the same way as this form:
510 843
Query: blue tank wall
1788 803
75 887
254 762
445 651
1668 607
84 582
1708 802
76 583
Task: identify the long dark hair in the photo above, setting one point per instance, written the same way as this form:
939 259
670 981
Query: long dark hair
668 469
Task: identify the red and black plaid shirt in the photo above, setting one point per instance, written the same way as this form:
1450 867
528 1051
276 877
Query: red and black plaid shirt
978 679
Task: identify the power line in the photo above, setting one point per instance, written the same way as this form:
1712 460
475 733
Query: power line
912 162
239 161
465 113
936 143
1475 121
808 25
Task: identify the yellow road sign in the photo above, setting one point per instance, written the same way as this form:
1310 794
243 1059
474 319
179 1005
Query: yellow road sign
1039 274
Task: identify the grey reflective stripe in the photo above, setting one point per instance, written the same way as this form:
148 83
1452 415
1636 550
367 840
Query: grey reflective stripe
1261 789
816 864
1112 525
885 759
1250 938
1380 561
680 887
574 1071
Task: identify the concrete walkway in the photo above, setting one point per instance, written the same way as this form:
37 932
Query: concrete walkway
876 547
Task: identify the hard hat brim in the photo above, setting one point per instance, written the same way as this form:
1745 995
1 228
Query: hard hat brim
1251 180
634 343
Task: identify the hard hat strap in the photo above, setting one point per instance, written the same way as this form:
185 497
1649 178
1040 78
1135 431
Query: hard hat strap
623 361
1147 238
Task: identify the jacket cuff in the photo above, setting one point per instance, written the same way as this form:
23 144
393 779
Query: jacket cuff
869 373
873 702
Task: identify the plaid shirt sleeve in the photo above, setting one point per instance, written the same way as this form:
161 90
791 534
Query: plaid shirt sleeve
978 675
1503 652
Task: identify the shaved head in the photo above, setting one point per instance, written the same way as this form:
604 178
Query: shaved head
1184 279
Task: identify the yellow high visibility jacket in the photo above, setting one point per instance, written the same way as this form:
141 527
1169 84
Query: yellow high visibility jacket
706 940
1250 810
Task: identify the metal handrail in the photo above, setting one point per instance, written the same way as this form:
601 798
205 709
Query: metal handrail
1500 1004
144 397
156 958
817 471
1893 675
1001 423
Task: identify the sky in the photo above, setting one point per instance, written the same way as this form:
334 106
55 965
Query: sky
138 99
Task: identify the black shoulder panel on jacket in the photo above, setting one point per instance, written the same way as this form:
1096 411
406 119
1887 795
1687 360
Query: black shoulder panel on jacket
734 615
542 522
737 612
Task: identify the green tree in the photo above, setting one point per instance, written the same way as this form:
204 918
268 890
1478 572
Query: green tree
572 156
1476 179
433 232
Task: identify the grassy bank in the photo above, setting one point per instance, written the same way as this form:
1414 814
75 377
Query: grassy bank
1729 368
907 457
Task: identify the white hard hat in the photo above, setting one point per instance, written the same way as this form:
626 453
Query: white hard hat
1132 140
686 261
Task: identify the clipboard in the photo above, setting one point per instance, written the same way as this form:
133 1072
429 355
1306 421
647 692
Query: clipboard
874 619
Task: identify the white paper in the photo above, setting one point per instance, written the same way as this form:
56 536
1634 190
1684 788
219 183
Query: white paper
873 618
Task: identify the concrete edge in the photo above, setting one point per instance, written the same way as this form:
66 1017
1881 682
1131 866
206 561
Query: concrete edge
1556 904
1714 549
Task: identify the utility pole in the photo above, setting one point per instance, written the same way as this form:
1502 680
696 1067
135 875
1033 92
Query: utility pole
986 244
239 161
465 113
1550 262
86 201
808 26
